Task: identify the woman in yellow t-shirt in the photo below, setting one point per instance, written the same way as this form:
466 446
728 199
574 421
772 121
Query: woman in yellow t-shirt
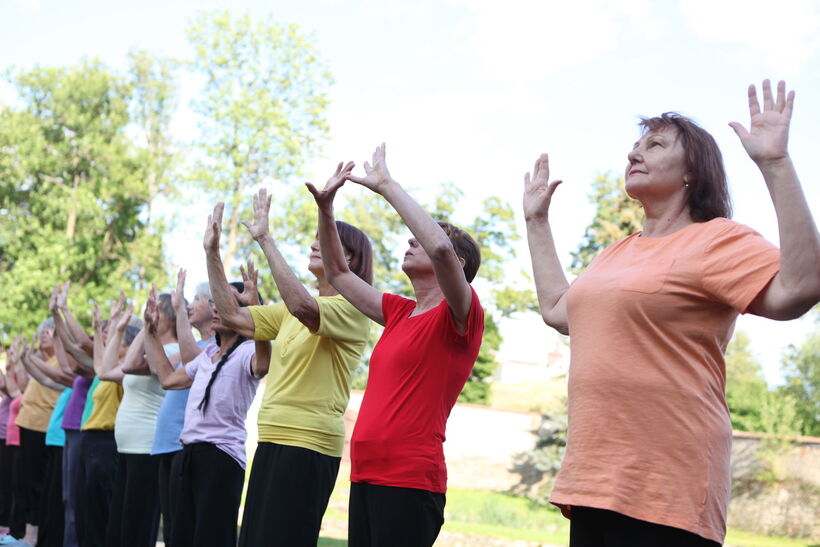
649 439
318 345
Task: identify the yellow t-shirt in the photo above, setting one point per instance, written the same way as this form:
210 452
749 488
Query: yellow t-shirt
308 384
37 403
107 399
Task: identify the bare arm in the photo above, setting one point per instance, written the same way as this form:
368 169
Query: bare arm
158 361
43 373
188 348
77 332
232 315
260 362
446 264
550 282
298 301
796 287
358 292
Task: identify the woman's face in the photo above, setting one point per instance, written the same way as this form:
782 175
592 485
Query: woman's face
656 168
315 264
47 339
416 259
216 321
199 312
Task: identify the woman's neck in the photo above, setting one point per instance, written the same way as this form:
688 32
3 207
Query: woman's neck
427 292
664 219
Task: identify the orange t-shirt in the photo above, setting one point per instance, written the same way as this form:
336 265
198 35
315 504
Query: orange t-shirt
649 320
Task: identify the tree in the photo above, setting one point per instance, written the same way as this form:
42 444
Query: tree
72 193
801 369
617 216
746 388
262 109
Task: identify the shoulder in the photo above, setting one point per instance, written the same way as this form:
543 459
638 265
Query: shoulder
724 234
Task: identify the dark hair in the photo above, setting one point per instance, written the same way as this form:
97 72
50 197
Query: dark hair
167 309
357 244
240 287
708 192
131 332
466 248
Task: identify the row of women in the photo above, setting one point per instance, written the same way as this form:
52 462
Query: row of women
647 457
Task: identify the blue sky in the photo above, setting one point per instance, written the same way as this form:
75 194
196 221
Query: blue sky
471 91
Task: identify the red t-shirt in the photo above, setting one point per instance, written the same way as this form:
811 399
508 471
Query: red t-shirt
417 371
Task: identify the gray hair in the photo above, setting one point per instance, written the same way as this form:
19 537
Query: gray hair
203 289
46 324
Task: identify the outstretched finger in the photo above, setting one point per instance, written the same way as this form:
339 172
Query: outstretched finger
552 186
739 130
789 108
312 189
754 105
768 102
781 96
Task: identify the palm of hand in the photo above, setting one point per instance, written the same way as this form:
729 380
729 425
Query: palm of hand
768 137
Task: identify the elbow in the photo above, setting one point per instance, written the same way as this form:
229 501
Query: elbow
442 250
556 323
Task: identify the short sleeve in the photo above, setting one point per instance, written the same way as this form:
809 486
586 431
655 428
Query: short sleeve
475 321
192 366
340 320
267 320
395 306
738 263
246 352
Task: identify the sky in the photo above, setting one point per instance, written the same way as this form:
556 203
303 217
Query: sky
471 91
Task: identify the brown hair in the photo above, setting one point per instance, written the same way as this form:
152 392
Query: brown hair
708 192
465 247
357 244
167 308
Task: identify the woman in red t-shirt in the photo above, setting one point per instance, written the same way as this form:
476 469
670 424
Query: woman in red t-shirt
417 369
649 439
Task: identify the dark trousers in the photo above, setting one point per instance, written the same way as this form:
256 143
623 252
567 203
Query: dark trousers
72 479
98 455
33 460
210 489
52 510
591 527
168 487
19 495
287 496
134 517
6 498
392 515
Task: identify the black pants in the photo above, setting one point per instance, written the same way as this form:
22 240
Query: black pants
391 515
19 495
52 510
98 455
6 499
168 486
72 479
287 496
33 460
210 489
134 518
591 527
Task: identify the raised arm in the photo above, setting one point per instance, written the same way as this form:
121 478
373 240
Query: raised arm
188 348
41 372
155 354
237 318
77 332
260 362
110 368
299 302
361 294
69 345
550 282
447 266
13 387
796 287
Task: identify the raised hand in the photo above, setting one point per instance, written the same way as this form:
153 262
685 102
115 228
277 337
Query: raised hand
214 229
120 323
178 296
768 136
250 277
52 301
151 314
118 306
62 296
96 322
377 176
258 227
324 198
538 190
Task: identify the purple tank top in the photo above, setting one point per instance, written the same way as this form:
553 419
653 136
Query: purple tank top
73 417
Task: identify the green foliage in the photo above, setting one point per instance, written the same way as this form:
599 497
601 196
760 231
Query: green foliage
801 370
746 388
73 194
616 216
539 467
262 109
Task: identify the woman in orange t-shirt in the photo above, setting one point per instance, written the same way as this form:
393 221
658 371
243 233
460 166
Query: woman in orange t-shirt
649 439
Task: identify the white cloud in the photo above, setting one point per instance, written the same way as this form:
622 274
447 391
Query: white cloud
784 35
31 4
